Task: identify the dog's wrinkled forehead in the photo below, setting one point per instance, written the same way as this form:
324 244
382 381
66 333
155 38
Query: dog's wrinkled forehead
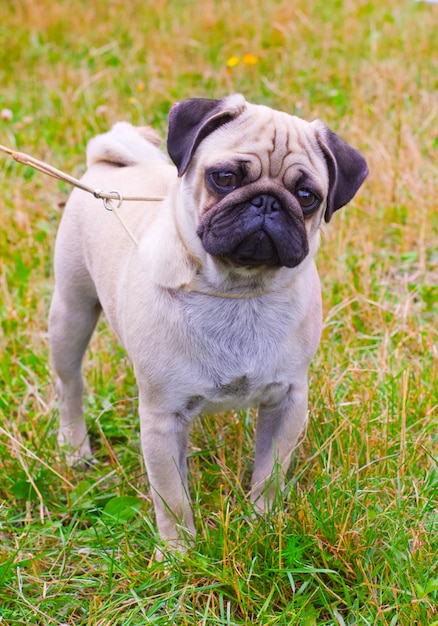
273 142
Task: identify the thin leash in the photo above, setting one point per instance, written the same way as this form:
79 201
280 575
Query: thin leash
108 198
112 201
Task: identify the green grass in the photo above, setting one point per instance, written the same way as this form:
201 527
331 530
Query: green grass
356 541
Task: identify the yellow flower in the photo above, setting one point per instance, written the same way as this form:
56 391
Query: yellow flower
250 59
132 100
233 61
140 86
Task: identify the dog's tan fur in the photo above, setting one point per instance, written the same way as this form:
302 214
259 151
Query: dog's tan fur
192 351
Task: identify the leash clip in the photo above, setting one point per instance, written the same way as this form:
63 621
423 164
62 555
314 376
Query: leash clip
107 200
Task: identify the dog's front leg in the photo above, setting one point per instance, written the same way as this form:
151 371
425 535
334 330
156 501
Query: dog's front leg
278 430
164 443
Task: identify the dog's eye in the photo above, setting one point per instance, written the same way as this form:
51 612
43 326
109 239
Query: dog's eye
308 200
224 181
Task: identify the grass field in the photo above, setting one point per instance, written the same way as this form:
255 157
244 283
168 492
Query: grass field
357 539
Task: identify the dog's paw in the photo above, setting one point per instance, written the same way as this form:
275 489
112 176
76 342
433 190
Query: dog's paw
81 456
170 552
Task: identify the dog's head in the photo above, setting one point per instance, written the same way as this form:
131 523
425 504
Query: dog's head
261 180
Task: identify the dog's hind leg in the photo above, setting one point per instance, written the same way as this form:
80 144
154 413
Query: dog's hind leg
71 324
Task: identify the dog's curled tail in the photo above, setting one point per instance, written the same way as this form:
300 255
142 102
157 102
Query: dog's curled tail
125 145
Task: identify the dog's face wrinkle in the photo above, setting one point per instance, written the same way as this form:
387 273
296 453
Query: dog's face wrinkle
289 141
271 153
279 152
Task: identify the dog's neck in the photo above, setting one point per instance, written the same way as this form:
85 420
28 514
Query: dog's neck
230 295
238 283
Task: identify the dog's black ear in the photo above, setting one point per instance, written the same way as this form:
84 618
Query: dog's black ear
346 166
190 121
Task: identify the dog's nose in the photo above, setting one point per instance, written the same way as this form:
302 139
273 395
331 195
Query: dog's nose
265 203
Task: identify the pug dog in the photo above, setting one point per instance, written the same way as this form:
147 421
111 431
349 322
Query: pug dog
216 297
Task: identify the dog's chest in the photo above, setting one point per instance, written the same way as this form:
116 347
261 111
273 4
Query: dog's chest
240 351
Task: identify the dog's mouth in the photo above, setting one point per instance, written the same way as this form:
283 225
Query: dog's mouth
264 230
255 250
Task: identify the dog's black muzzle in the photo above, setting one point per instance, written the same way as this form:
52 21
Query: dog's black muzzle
266 229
